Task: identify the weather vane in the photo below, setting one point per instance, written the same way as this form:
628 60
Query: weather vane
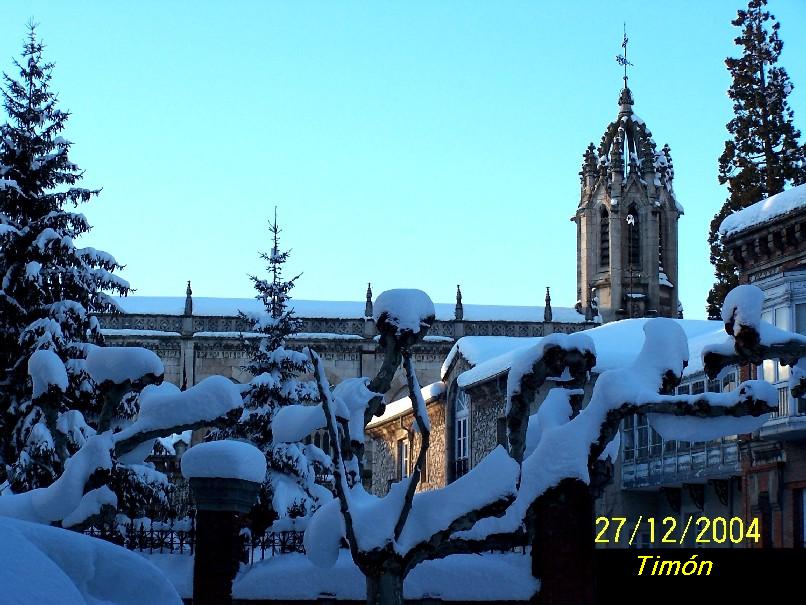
622 59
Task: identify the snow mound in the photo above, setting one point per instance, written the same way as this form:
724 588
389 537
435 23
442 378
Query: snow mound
295 422
408 310
119 364
742 307
225 459
167 409
65 495
40 564
46 369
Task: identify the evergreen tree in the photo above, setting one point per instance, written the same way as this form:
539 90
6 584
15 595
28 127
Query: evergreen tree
763 155
50 289
290 489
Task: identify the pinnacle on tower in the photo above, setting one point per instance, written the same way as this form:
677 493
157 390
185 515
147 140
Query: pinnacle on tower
547 314
460 310
368 305
188 301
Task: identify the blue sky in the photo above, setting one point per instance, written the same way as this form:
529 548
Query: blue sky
416 144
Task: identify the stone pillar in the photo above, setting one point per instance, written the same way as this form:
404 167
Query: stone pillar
671 258
224 478
650 265
616 266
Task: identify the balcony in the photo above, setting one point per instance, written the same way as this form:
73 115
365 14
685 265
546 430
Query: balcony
696 464
784 428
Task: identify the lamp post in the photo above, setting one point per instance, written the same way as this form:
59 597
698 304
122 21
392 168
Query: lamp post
224 477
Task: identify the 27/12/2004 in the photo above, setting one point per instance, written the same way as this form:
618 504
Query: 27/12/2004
705 530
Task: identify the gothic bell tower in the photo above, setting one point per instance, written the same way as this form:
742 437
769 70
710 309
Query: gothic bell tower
627 222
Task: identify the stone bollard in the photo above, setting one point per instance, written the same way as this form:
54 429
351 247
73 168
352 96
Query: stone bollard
224 478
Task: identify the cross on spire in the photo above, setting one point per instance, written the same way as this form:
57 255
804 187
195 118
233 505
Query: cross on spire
622 59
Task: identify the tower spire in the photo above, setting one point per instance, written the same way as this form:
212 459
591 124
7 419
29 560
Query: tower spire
625 98
368 304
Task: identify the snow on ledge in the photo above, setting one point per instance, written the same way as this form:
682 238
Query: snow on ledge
337 309
135 332
119 364
764 211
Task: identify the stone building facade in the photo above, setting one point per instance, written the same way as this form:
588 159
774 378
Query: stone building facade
767 241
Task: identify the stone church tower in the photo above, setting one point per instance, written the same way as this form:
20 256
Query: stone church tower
627 223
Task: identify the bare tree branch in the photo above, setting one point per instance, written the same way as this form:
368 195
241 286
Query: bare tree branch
418 405
693 406
339 471
441 544
553 362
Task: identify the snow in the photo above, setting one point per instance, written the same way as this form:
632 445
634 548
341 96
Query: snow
742 307
374 518
46 370
766 210
560 449
554 411
225 459
56 502
316 309
355 394
32 270
169 443
408 310
40 564
524 359
493 478
176 567
119 364
458 578
297 336
133 332
403 405
704 429
617 345
166 408
90 505
479 349
293 423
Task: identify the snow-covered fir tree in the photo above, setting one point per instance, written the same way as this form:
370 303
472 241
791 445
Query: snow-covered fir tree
290 489
763 154
50 288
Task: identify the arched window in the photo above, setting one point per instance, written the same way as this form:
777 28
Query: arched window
604 238
660 243
633 237
462 434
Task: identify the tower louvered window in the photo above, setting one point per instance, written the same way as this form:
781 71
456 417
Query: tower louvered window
633 238
604 239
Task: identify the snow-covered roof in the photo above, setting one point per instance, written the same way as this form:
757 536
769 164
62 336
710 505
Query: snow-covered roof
403 405
764 211
478 349
617 344
336 309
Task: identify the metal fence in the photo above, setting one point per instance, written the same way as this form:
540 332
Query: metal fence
180 538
